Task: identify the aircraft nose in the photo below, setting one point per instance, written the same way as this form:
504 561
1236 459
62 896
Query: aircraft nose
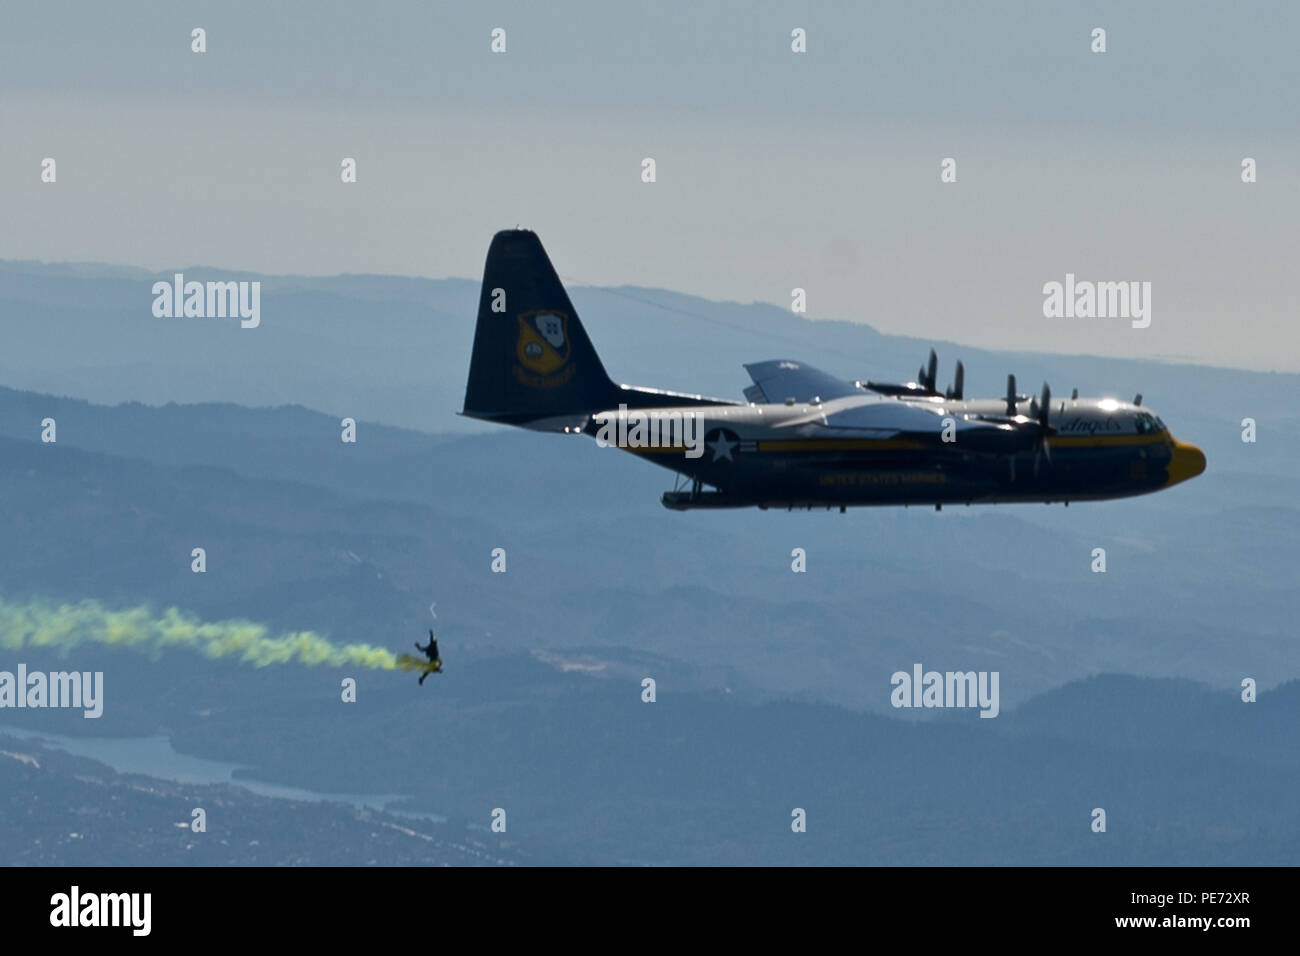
1187 461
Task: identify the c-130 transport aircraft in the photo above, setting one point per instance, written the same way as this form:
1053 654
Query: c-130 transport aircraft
804 438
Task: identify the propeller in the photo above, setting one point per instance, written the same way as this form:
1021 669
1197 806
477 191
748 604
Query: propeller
959 383
925 376
1044 428
1011 395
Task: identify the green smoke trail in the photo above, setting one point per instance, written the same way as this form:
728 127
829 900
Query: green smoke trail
63 627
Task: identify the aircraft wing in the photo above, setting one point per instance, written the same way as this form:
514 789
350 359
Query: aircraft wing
779 379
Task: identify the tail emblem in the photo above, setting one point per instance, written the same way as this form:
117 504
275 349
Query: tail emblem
543 348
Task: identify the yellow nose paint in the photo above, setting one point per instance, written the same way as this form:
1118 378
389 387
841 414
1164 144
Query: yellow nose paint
1188 461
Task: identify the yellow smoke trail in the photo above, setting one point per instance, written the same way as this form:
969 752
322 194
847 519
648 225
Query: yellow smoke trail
63 627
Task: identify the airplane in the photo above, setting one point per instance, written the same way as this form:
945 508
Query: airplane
804 439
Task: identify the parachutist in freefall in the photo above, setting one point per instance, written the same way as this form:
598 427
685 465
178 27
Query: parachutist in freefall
431 652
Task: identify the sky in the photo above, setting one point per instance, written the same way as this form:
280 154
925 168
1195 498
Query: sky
775 170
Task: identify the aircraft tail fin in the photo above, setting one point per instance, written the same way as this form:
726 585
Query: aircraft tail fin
532 363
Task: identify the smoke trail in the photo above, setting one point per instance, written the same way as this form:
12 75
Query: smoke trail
64 627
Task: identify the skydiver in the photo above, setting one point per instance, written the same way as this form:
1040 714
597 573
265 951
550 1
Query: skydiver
431 652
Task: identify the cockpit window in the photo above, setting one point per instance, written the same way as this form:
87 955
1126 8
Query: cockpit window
1148 424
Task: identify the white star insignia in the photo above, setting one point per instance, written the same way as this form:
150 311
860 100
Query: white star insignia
722 448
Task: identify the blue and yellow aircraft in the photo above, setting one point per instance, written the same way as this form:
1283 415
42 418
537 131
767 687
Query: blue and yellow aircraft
804 438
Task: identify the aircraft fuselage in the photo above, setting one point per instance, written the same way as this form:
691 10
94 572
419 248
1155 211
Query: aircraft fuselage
889 451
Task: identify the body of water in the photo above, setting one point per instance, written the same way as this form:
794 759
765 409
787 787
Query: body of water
155 757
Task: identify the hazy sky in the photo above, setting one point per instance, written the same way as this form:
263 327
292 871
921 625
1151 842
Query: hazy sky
775 170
